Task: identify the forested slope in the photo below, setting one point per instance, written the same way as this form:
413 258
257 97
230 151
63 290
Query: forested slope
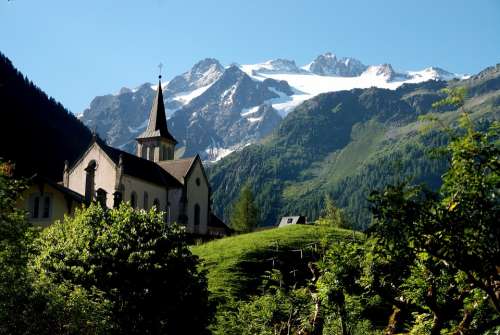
346 144
36 132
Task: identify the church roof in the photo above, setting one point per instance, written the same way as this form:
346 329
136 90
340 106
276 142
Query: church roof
157 124
38 178
178 168
216 222
139 167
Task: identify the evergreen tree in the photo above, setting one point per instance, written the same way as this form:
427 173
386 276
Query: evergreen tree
332 215
245 213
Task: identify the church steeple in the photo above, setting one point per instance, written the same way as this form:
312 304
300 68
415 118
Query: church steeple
156 143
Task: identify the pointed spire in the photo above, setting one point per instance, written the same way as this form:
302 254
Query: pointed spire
157 124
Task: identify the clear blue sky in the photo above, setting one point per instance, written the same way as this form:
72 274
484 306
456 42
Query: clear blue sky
75 50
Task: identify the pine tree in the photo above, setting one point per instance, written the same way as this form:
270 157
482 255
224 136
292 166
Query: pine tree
332 215
245 215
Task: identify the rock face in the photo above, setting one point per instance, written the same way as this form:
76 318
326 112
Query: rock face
202 74
329 65
119 118
214 110
220 117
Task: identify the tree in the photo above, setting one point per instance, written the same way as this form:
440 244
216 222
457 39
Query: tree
340 286
332 215
14 246
449 239
134 260
245 214
27 304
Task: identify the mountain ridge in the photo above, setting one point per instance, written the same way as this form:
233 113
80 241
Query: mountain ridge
118 118
346 144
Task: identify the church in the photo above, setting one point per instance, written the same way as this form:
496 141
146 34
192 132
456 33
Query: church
152 177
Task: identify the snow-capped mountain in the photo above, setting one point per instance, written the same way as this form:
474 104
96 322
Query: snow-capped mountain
214 110
233 111
329 65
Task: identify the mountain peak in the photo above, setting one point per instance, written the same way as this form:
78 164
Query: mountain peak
206 65
203 73
273 66
328 64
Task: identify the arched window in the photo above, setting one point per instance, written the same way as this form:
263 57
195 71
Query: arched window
35 207
89 180
101 197
156 203
133 199
46 207
146 200
196 215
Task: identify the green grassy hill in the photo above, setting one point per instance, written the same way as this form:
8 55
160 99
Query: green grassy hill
236 264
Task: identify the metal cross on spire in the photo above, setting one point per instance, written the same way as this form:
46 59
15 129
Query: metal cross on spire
160 66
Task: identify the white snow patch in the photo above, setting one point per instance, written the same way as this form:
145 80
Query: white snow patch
139 127
255 119
227 95
186 97
215 153
249 111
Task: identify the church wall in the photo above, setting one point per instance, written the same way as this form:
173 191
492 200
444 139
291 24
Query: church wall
174 197
197 195
132 184
58 204
105 174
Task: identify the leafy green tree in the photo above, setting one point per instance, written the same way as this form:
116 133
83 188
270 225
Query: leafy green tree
14 246
27 304
245 214
278 311
340 286
132 259
449 240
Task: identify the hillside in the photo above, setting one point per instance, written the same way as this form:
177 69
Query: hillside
36 132
236 264
346 144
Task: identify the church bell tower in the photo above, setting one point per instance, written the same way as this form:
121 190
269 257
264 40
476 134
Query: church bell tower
156 143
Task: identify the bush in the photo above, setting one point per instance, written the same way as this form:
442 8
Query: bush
131 259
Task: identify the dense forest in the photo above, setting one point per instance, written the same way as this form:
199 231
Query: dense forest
343 144
37 133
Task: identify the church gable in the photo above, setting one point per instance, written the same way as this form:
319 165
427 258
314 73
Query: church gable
95 164
198 197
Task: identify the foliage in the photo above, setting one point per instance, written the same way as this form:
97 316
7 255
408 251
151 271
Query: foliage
132 259
275 312
440 250
328 302
27 304
14 242
340 287
245 214
332 215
